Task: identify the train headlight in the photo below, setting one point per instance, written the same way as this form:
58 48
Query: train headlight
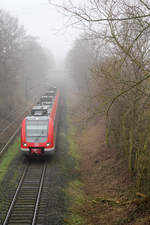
25 144
48 144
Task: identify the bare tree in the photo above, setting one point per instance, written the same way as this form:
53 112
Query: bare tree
120 31
107 19
24 64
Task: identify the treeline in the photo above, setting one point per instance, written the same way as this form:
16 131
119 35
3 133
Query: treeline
111 66
24 65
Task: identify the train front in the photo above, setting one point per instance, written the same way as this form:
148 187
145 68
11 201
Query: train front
37 136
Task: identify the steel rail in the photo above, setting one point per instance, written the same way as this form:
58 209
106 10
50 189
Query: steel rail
15 196
28 107
11 138
9 125
9 141
19 109
18 193
38 197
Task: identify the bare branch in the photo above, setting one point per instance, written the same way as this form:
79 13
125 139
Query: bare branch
126 91
145 4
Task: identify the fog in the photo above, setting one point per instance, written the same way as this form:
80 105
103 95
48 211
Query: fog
42 20
104 86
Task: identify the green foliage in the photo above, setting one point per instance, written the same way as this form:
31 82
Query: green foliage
73 191
73 147
8 157
76 202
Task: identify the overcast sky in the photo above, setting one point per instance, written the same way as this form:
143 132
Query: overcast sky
42 20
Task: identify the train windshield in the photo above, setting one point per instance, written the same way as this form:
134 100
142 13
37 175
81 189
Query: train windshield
36 130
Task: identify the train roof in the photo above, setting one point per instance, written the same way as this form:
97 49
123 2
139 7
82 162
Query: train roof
50 98
33 118
51 92
40 110
40 107
47 103
52 88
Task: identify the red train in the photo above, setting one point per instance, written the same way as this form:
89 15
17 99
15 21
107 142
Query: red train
39 129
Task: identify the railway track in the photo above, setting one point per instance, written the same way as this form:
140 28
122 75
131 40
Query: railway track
28 205
10 128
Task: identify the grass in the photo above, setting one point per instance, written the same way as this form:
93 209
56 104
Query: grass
73 147
8 157
76 202
73 191
5 161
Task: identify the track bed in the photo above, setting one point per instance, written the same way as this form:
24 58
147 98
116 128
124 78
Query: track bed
29 202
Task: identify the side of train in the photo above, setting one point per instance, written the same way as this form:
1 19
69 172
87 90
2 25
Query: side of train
39 129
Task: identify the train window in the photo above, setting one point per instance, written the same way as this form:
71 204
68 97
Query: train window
36 128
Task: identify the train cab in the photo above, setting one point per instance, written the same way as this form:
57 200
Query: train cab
37 136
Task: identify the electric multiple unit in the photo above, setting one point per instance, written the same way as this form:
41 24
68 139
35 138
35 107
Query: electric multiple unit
38 132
